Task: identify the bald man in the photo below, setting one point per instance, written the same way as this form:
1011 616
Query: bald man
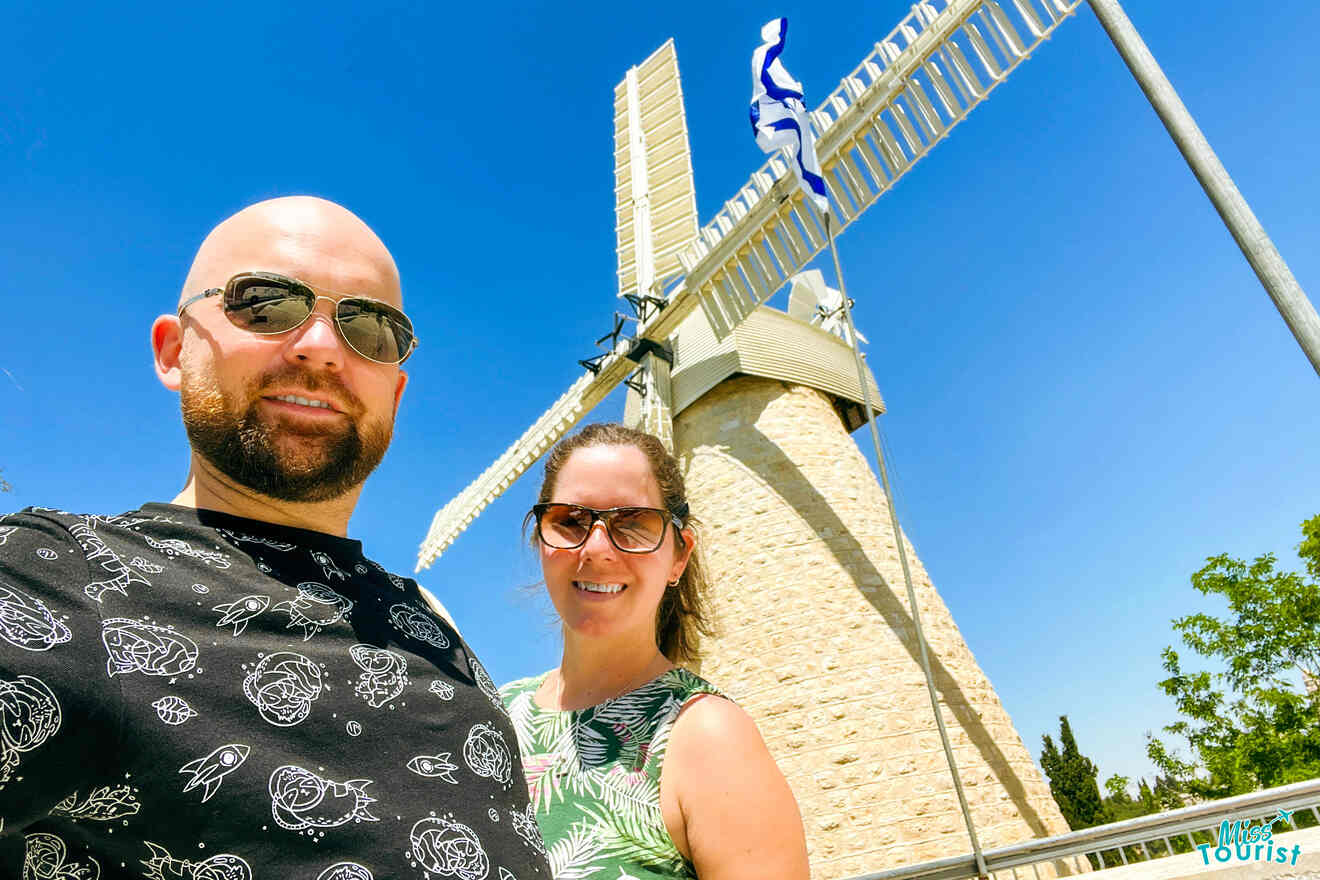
224 687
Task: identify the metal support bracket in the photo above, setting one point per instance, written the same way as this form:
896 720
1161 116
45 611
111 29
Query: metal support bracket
642 347
637 382
595 363
643 304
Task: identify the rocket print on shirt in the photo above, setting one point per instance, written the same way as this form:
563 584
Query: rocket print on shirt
241 611
328 566
210 770
438 766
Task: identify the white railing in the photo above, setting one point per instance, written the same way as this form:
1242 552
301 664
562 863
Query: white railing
1131 840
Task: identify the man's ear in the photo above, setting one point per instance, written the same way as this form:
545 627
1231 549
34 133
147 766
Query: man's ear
398 390
166 346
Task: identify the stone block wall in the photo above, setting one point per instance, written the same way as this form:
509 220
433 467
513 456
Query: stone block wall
816 641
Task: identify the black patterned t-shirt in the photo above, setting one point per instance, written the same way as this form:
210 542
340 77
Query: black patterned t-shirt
189 694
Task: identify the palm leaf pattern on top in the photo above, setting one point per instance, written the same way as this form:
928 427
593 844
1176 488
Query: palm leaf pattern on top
571 856
637 840
594 777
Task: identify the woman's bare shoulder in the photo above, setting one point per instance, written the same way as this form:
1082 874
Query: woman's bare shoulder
739 817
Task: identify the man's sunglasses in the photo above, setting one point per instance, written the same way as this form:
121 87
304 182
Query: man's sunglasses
630 529
266 304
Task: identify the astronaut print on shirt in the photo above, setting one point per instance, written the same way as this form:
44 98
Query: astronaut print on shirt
31 716
189 694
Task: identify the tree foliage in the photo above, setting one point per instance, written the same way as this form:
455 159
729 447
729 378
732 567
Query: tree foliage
1116 787
1072 779
4 487
1251 725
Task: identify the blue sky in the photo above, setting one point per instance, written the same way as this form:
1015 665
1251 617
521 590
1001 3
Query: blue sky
1088 390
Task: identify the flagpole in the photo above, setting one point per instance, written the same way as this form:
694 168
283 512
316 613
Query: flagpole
1275 276
981 869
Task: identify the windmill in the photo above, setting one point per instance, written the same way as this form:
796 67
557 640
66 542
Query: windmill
759 405
941 61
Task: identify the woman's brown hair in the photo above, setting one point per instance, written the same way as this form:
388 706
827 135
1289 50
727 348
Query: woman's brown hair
683 616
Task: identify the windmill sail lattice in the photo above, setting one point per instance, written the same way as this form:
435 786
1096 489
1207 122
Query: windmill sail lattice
942 60
656 210
655 204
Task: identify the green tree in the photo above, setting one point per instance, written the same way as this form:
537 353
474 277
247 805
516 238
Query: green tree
1248 726
4 487
1117 787
1072 779
1146 797
1166 794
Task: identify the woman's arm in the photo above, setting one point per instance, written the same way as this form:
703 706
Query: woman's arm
727 805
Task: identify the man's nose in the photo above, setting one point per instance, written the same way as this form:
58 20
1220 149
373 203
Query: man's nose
316 341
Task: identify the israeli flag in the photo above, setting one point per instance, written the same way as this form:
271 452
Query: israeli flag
779 118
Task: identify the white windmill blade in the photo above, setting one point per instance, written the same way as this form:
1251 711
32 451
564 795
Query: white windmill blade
571 407
655 200
804 294
942 60
811 300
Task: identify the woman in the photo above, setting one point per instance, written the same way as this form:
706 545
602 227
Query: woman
637 767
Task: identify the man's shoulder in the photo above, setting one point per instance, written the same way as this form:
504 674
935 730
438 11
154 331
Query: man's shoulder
56 523
45 521
36 516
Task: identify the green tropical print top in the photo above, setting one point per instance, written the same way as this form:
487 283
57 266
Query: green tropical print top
594 778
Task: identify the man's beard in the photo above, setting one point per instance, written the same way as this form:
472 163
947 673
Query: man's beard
333 460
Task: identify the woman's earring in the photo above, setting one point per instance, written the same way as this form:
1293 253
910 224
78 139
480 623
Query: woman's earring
673 583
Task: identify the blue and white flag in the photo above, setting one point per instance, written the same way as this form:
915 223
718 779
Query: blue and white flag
779 118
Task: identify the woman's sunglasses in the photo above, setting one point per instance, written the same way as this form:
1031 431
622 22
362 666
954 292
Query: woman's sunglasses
630 529
266 304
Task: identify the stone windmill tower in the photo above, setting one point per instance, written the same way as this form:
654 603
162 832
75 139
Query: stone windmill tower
816 640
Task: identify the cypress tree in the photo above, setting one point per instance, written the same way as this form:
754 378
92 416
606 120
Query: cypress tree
1072 778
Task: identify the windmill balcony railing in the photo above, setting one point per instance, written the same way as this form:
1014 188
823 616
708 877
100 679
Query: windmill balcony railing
1132 841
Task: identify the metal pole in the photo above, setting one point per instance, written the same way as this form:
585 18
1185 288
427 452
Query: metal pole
1273 272
981 869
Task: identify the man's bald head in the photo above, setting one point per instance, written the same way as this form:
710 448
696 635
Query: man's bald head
304 237
297 415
